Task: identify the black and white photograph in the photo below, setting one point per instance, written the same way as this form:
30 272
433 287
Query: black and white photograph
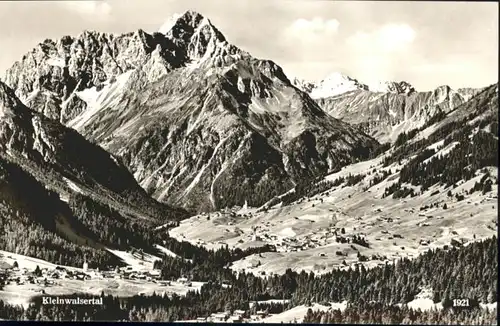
249 161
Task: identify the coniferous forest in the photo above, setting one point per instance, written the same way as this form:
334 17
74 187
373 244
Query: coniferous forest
29 227
388 315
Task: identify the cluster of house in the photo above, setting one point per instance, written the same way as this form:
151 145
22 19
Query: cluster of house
44 276
237 316
130 273
296 244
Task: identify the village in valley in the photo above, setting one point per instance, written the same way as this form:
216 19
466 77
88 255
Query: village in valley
15 275
318 233
33 277
341 227
26 277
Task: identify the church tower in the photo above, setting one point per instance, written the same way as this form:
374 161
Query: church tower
85 264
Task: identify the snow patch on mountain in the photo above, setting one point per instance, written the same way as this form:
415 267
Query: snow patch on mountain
391 87
212 185
170 182
338 83
97 100
73 186
41 142
31 96
57 62
90 96
5 112
204 167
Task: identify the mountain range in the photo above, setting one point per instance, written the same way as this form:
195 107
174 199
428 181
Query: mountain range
187 112
156 126
386 109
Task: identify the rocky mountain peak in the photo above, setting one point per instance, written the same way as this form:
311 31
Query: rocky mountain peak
56 71
187 19
188 26
442 88
198 39
189 113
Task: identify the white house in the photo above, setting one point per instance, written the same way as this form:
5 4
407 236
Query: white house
155 272
219 317
182 280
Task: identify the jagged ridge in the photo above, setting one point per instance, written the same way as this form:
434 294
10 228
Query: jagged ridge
385 109
50 76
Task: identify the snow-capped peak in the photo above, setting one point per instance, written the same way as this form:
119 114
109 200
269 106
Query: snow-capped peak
334 84
190 20
337 79
401 87
338 83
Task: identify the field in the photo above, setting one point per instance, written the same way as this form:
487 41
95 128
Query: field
297 314
146 263
29 262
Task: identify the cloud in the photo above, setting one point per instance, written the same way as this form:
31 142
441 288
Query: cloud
315 28
374 68
388 38
446 67
96 9
380 54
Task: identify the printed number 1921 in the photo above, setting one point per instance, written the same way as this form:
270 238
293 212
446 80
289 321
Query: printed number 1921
461 303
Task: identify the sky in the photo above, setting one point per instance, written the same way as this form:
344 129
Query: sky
427 43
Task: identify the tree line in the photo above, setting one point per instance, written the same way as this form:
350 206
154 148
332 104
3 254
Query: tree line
374 313
465 272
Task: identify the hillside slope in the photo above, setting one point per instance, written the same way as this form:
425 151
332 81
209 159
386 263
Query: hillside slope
41 225
65 162
435 188
385 115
